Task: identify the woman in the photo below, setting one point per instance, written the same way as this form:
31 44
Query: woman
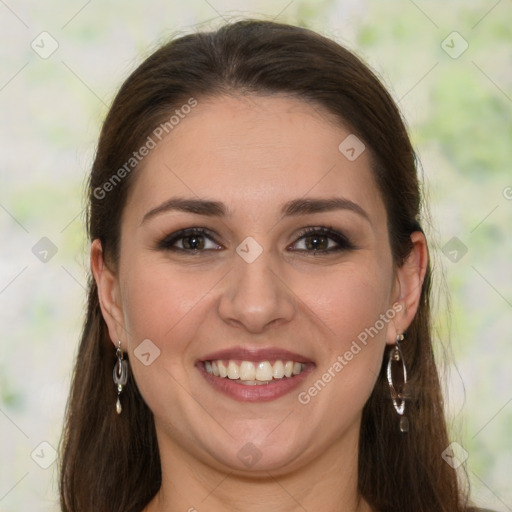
258 325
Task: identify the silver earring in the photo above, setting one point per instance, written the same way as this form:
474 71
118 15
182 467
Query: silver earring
398 398
120 375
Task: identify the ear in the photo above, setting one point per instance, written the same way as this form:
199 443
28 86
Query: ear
108 293
408 286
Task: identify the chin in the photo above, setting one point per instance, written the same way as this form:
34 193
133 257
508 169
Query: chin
257 459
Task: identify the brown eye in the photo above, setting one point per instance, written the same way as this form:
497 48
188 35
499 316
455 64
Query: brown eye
322 240
192 240
316 242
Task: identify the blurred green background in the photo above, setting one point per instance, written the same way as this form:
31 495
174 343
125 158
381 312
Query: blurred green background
448 64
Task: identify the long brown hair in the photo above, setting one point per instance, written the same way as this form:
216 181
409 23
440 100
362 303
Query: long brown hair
112 462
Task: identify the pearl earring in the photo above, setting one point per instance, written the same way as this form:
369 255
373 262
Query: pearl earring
120 375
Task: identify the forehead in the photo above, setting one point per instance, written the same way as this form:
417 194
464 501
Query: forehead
255 153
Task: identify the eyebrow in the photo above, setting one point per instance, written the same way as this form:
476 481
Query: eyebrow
295 207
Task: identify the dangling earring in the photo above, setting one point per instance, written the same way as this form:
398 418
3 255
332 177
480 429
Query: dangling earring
120 375
398 398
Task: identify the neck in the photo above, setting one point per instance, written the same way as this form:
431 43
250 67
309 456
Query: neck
327 482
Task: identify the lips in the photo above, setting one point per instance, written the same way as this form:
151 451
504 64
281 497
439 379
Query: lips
241 387
255 354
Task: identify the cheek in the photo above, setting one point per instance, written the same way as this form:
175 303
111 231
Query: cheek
349 299
157 299
166 307
353 310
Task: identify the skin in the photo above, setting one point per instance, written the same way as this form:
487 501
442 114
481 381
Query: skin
255 153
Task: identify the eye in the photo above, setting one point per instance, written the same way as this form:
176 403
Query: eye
322 240
314 240
192 240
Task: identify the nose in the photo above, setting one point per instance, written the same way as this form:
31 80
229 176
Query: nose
256 296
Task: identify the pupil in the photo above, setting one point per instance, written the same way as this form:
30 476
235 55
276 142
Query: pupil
316 242
194 242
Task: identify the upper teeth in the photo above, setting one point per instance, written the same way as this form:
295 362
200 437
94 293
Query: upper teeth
249 370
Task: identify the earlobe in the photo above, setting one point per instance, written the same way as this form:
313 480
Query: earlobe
409 285
108 292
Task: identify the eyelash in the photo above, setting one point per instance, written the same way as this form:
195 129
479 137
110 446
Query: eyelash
343 242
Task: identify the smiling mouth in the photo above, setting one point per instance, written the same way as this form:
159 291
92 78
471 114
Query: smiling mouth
254 373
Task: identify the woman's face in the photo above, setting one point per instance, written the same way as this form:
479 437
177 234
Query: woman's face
252 284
